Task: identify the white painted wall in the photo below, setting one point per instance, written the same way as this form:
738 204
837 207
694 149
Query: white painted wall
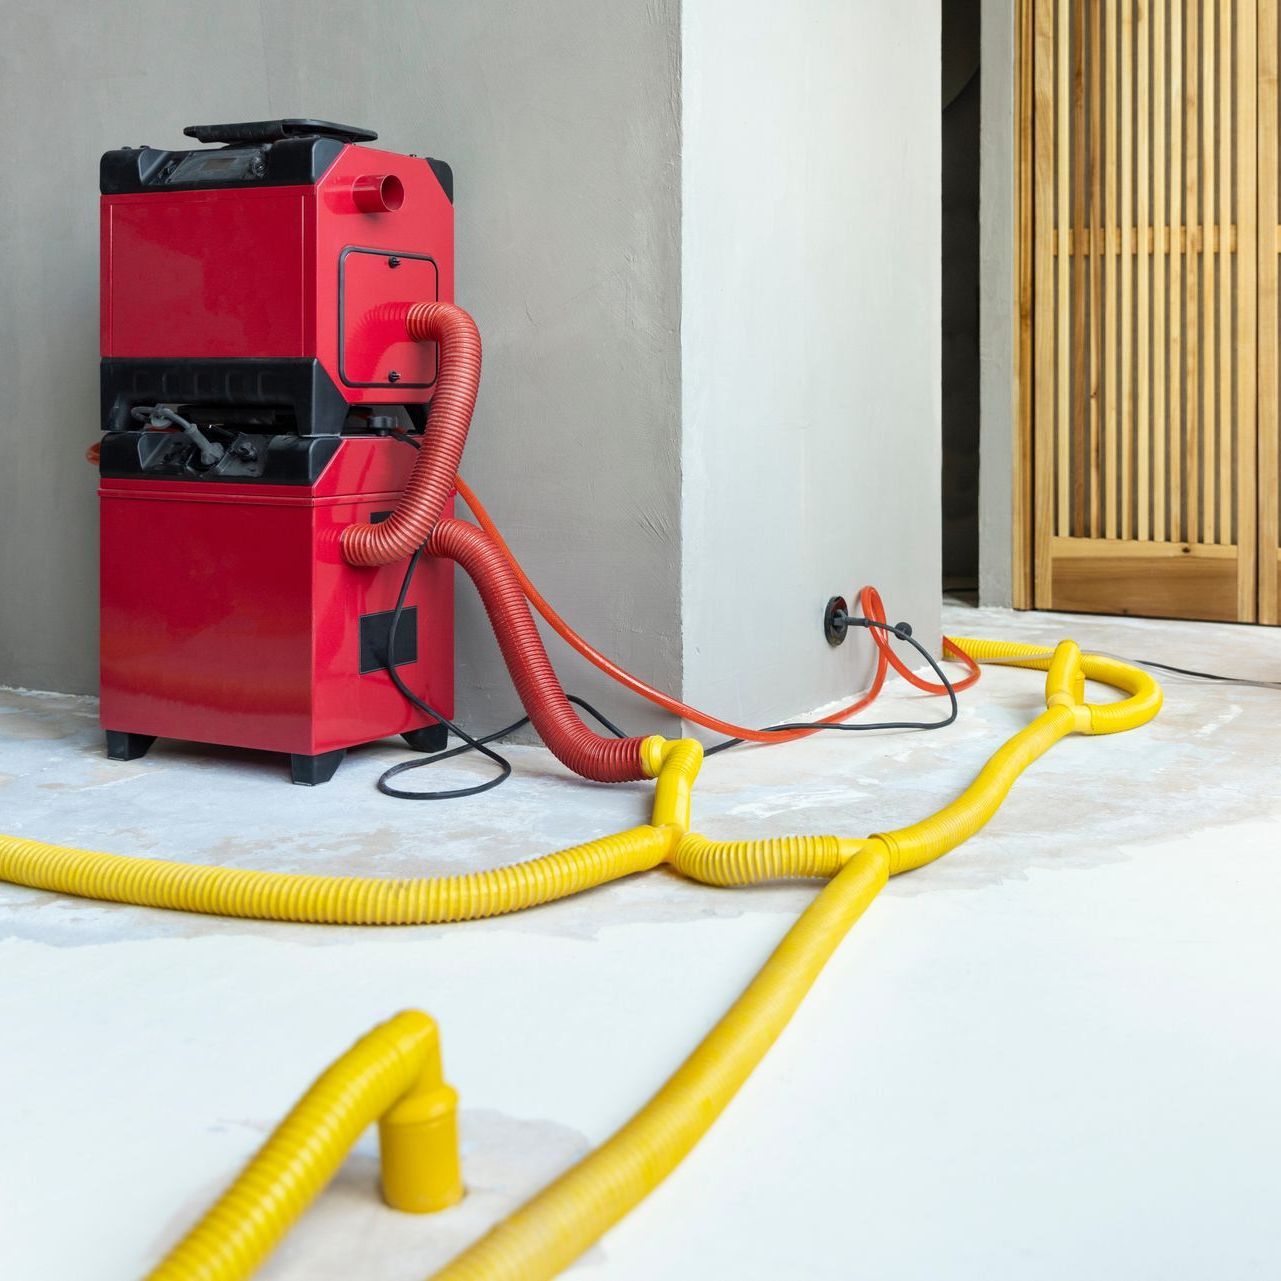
810 339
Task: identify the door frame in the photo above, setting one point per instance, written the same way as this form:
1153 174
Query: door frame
1266 399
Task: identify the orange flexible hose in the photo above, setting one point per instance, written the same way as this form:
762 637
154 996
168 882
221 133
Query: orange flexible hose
869 601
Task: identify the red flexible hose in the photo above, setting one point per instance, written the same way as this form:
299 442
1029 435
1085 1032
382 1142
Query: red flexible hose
606 760
869 602
505 588
416 521
432 479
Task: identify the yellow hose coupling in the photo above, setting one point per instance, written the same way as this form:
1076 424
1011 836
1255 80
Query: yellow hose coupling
680 760
1065 686
651 752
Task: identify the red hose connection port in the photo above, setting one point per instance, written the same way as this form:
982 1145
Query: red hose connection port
378 193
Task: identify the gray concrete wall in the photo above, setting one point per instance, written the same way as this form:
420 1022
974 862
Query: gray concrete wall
811 339
811 314
998 301
562 123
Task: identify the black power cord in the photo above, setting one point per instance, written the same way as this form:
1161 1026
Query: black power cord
902 631
1207 676
469 743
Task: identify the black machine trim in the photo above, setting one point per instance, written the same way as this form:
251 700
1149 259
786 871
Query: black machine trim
301 387
289 162
166 455
444 176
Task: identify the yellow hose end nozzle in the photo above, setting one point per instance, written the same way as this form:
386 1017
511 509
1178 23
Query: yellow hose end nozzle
418 1143
418 1134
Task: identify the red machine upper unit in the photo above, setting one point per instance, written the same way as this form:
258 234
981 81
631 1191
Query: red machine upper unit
272 274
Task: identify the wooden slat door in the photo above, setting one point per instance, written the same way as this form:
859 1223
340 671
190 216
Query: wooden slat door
1146 279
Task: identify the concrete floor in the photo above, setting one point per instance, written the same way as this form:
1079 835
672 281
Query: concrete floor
1052 1055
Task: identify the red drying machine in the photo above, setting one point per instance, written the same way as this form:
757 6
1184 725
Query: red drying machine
256 372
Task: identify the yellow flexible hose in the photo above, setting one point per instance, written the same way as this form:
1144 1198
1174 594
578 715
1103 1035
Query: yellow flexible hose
773 859
559 1223
391 1075
335 900
553 1228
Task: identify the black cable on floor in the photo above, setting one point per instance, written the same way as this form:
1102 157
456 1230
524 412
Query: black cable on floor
903 632
469 743
1207 676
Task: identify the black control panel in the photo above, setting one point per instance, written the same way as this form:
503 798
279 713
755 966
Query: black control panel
258 153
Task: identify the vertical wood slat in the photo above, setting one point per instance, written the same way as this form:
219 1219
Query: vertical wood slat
1143 116
1111 406
1125 180
1191 309
1229 427
1043 297
1174 425
1247 129
1269 385
1080 391
1205 474
1160 267
1022 554
1063 144
1098 243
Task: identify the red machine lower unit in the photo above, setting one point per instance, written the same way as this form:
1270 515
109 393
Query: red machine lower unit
230 616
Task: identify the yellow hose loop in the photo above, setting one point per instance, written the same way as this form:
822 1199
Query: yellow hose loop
1145 696
398 1060
553 1228
334 900
749 862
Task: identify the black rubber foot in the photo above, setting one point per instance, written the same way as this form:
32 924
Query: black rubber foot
311 771
431 738
127 747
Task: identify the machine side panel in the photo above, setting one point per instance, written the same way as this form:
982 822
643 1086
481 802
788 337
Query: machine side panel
212 274
206 616
351 706
230 616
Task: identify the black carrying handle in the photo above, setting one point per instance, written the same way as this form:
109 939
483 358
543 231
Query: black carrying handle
258 131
